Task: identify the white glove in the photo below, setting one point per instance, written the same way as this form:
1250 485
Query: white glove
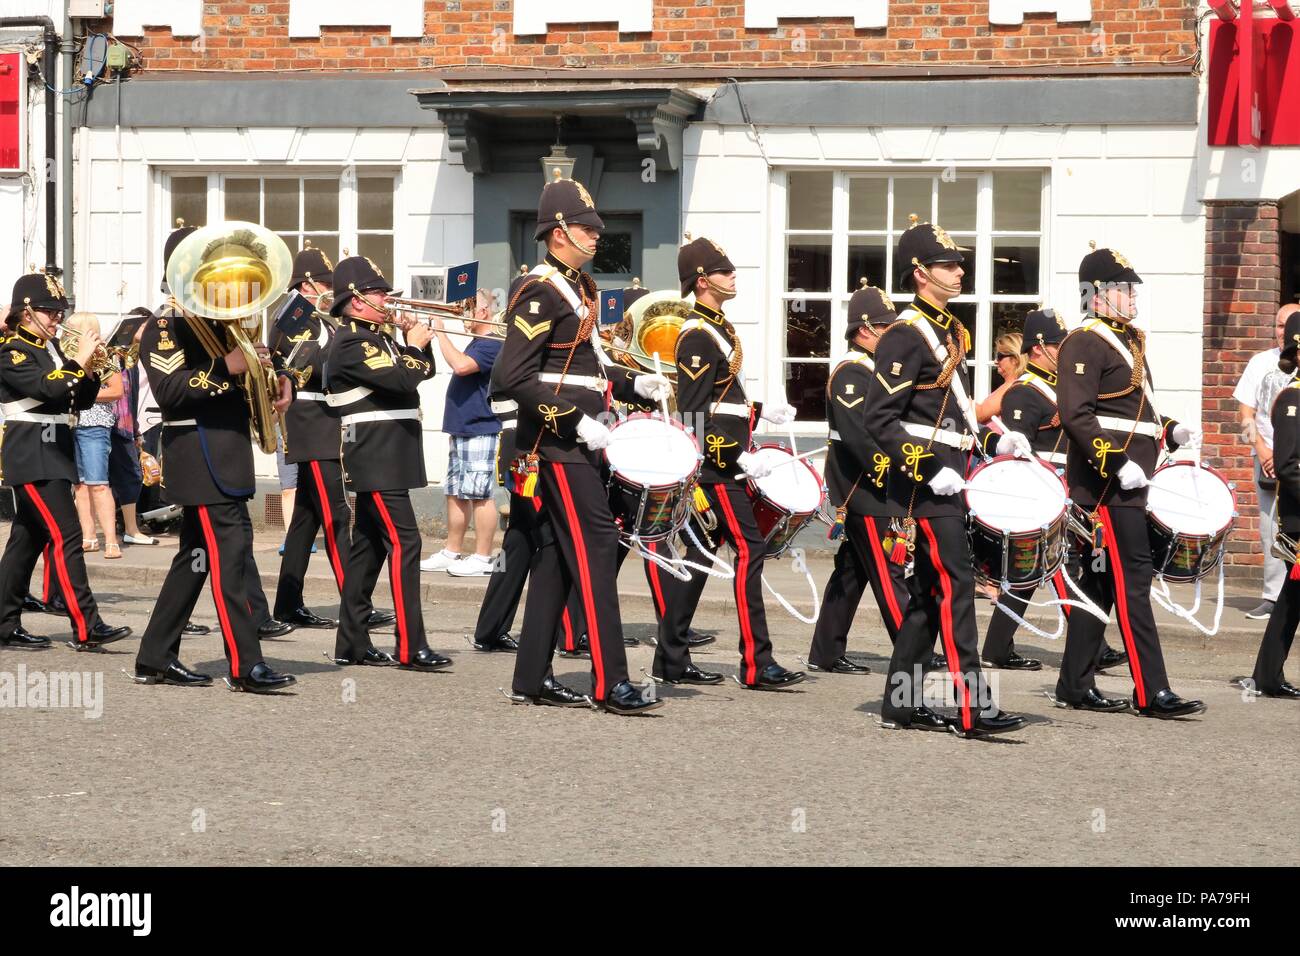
778 413
947 482
654 387
1186 435
591 432
1132 476
1015 443
753 466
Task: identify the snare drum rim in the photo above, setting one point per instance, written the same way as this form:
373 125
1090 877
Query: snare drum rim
622 477
973 516
757 493
1198 538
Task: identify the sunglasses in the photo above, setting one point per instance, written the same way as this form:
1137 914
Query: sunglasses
1004 355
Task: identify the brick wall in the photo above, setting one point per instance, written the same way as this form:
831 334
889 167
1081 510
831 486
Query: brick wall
474 34
1243 272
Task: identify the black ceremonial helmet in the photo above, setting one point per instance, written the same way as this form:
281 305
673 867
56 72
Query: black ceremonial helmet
868 306
923 244
564 203
702 257
311 265
353 276
36 290
1042 327
169 247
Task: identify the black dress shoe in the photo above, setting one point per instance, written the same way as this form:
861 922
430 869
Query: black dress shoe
303 617
918 718
630 641
21 637
425 659
1093 700
194 630
380 618
1015 662
175 673
261 680
581 648
503 642
693 675
1167 705
841 666
775 676
57 606
696 639
937 662
555 694
273 628
34 605
371 658
1111 658
999 723
626 699
102 634
1283 691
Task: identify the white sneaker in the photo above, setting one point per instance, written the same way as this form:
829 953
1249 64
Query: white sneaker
473 566
440 561
140 539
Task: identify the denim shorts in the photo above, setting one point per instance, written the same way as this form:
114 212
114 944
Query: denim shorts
92 443
471 467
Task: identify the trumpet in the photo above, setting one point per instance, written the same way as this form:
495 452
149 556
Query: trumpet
103 360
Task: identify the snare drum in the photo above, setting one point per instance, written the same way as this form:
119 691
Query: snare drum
1016 521
1190 509
785 500
653 466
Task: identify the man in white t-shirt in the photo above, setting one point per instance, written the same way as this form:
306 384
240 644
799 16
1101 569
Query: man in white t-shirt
1259 385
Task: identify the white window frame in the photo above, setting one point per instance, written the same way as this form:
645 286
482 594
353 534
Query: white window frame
984 235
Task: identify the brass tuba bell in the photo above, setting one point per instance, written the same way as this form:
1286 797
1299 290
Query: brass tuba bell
656 321
232 272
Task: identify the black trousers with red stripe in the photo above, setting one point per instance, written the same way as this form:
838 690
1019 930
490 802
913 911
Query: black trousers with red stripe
1278 637
736 526
586 540
574 625
321 502
998 643
45 514
860 562
213 542
942 597
385 529
1119 577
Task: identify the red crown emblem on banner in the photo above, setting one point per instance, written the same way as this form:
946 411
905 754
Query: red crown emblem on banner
462 278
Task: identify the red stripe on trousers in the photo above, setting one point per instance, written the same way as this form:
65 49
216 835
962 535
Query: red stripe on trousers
569 644
45 576
395 580
60 565
742 572
1058 585
882 571
945 621
584 579
1121 605
218 594
655 587
328 515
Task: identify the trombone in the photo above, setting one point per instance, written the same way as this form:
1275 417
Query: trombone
429 311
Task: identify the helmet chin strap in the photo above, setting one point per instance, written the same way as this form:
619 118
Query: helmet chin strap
722 294
40 322
586 251
938 283
1114 313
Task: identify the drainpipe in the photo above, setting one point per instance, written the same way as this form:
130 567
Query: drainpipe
69 64
51 132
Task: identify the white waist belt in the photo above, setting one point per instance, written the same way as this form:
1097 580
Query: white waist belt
182 423
313 396
594 382
731 408
942 436
35 418
1055 457
348 397
505 407
388 415
1150 429
10 409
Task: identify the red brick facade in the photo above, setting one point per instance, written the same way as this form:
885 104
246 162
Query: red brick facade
476 34
1243 273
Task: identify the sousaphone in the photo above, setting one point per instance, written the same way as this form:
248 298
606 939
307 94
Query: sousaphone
652 325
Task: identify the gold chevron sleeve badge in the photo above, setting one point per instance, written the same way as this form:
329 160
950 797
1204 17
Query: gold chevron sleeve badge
169 364
382 360
692 372
531 331
853 404
891 389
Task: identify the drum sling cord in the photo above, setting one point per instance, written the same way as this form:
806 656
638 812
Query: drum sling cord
901 542
1161 595
708 520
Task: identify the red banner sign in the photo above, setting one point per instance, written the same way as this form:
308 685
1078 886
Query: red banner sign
1254 81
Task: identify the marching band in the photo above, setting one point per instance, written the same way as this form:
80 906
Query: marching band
598 467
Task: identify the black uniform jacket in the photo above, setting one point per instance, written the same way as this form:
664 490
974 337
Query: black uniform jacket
704 383
385 454
311 425
1026 409
212 461
1286 457
1089 367
38 451
900 394
541 332
854 455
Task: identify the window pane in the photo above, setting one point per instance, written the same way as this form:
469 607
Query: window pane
1015 266
321 202
810 200
243 200
189 200
1017 198
867 260
805 389
327 244
379 250
613 254
1009 317
375 202
957 203
868 203
282 205
808 264
807 329
911 196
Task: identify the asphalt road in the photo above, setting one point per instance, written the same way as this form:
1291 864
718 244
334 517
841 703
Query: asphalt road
376 766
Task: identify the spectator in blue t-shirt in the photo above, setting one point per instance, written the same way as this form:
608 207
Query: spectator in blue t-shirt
473 429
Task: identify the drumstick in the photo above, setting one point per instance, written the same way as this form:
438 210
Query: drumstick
663 401
790 461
